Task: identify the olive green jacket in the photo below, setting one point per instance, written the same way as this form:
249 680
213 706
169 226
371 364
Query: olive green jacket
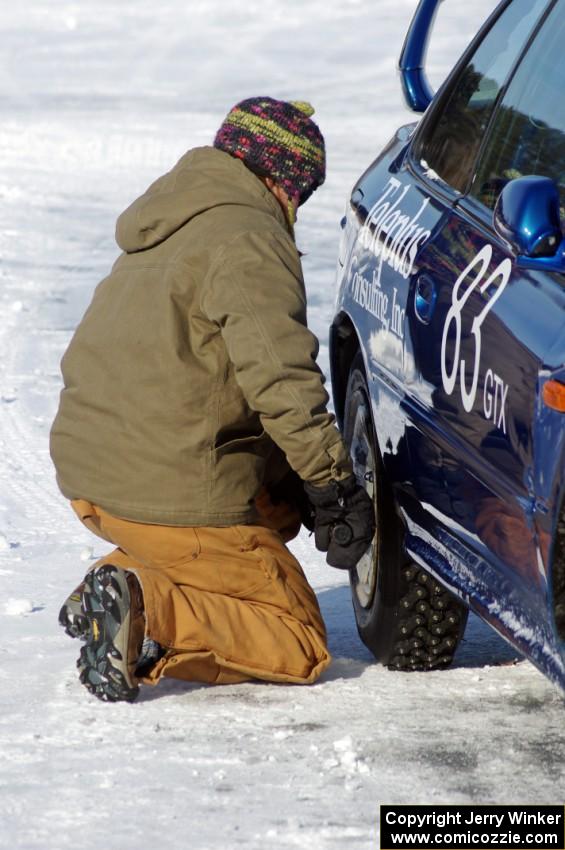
192 373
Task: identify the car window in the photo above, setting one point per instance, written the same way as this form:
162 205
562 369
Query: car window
528 133
451 141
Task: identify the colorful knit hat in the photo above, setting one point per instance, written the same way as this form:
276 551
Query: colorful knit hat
277 139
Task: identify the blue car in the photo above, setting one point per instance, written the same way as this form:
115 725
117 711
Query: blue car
447 349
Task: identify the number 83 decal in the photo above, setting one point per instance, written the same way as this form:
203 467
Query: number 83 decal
490 287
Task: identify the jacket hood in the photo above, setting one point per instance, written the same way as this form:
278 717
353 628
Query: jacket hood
202 179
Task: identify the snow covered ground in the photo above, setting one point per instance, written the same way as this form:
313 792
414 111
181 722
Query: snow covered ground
99 98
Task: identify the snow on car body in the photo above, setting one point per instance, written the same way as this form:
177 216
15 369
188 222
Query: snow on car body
448 349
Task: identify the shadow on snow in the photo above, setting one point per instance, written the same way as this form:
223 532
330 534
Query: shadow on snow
480 647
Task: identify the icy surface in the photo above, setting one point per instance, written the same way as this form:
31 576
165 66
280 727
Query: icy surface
97 100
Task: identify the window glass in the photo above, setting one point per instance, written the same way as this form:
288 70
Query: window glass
452 141
528 135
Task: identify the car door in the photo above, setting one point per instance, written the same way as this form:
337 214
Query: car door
394 218
479 331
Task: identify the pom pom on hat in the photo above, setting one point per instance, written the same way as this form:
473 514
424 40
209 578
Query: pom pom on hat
278 139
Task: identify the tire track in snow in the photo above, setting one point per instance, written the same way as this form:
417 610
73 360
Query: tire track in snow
26 472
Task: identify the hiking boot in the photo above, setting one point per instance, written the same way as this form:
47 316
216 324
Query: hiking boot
112 604
71 615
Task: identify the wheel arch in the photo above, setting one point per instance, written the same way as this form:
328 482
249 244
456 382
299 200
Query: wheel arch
558 573
344 345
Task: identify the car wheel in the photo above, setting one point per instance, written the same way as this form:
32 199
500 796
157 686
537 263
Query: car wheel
405 617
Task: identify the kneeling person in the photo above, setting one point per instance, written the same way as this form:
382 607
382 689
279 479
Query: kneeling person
193 411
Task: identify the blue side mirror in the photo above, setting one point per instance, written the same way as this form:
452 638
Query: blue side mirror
527 216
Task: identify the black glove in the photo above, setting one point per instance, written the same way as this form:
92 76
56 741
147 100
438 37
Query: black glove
344 521
291 491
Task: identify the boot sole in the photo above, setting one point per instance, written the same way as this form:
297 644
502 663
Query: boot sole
103 660
72 619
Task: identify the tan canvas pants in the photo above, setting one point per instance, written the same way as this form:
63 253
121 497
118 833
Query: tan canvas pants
229 604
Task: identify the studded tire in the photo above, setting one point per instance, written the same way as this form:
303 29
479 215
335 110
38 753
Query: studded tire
405 617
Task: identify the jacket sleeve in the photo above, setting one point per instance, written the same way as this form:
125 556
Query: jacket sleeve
255 294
